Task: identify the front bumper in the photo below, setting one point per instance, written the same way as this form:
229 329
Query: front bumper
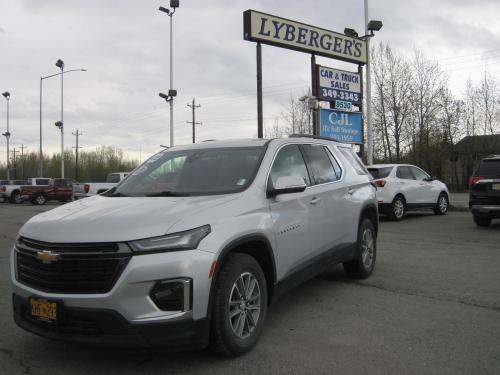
107 327
127 309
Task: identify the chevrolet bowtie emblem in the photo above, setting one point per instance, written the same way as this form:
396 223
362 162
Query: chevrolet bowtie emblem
47 256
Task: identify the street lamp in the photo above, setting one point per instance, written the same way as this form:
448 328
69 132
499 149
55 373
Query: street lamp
60 65
174 4
370 26
40 172
6 95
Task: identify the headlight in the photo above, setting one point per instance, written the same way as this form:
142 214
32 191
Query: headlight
186 240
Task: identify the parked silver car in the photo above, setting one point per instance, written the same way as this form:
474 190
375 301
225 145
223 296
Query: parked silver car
195 244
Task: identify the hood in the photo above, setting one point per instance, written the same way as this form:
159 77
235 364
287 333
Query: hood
116 219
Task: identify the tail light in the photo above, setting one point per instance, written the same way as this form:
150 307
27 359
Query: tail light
86 188
380 183
474 179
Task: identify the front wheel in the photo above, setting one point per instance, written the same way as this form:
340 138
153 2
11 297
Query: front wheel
39 200
441 205
240 305
366 252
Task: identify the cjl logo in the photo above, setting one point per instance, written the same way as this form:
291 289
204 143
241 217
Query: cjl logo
339 119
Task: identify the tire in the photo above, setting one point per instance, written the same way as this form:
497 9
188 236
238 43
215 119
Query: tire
39 199
15 197
481 221
229 337
397 210
442 205
366 252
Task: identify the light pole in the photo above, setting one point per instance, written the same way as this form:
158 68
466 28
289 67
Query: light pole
40 168
60 64
370 26
6 95
174 4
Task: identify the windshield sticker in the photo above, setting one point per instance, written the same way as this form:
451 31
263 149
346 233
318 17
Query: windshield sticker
241 182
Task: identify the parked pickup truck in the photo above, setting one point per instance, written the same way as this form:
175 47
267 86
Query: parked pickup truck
88 189
59 189
10 190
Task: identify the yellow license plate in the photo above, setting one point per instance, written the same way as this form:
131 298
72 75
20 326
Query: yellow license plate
43 309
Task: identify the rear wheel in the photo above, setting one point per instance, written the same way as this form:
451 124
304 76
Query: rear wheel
366 252
240 305
481 221
398 208
16 197
441 205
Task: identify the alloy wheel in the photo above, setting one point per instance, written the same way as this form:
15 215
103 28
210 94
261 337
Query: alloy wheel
244 305
367 247
399 208
443 204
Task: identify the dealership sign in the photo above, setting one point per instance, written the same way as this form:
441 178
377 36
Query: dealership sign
345 127
335 84
281 32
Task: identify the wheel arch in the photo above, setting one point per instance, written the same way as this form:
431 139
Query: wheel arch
255 245
370 211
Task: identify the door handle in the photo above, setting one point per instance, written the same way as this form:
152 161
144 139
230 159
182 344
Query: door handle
350 191
315 200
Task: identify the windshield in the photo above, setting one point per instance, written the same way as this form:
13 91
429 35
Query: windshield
193 172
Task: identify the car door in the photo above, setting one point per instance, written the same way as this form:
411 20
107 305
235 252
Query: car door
426 192
330 189
295 216
407 185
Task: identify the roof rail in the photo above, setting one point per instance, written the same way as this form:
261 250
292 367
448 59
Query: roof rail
312 136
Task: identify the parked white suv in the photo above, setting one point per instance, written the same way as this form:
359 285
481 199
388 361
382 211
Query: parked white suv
192 247
404 187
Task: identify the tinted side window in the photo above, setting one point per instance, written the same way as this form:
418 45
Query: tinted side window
113 178
289 162
321 166
380 172
419 174
354 160
405 173
42 181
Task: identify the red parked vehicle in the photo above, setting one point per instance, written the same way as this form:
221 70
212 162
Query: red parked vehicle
59 189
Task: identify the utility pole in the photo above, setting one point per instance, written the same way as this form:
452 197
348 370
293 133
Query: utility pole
193 122
77 134
14 163
22 161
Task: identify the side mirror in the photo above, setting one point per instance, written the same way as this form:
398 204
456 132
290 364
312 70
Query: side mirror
287 185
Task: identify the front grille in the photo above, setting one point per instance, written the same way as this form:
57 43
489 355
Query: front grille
80 268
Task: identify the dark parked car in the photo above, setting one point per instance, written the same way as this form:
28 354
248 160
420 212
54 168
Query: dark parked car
484 194
59 189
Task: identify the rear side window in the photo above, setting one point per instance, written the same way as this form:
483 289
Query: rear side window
320 162
42 181
354 160
380 172
289 162
489 168
405 173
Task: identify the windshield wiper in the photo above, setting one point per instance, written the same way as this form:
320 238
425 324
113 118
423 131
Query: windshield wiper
168 193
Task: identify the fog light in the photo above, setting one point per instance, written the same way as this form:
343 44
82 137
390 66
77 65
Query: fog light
172 295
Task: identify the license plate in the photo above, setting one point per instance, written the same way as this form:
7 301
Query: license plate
495 187
43 309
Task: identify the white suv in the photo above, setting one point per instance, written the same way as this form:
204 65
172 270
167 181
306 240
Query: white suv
403 187
191 248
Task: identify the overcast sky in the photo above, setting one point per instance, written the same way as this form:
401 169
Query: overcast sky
124 45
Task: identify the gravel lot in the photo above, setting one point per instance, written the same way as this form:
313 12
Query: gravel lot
432 306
